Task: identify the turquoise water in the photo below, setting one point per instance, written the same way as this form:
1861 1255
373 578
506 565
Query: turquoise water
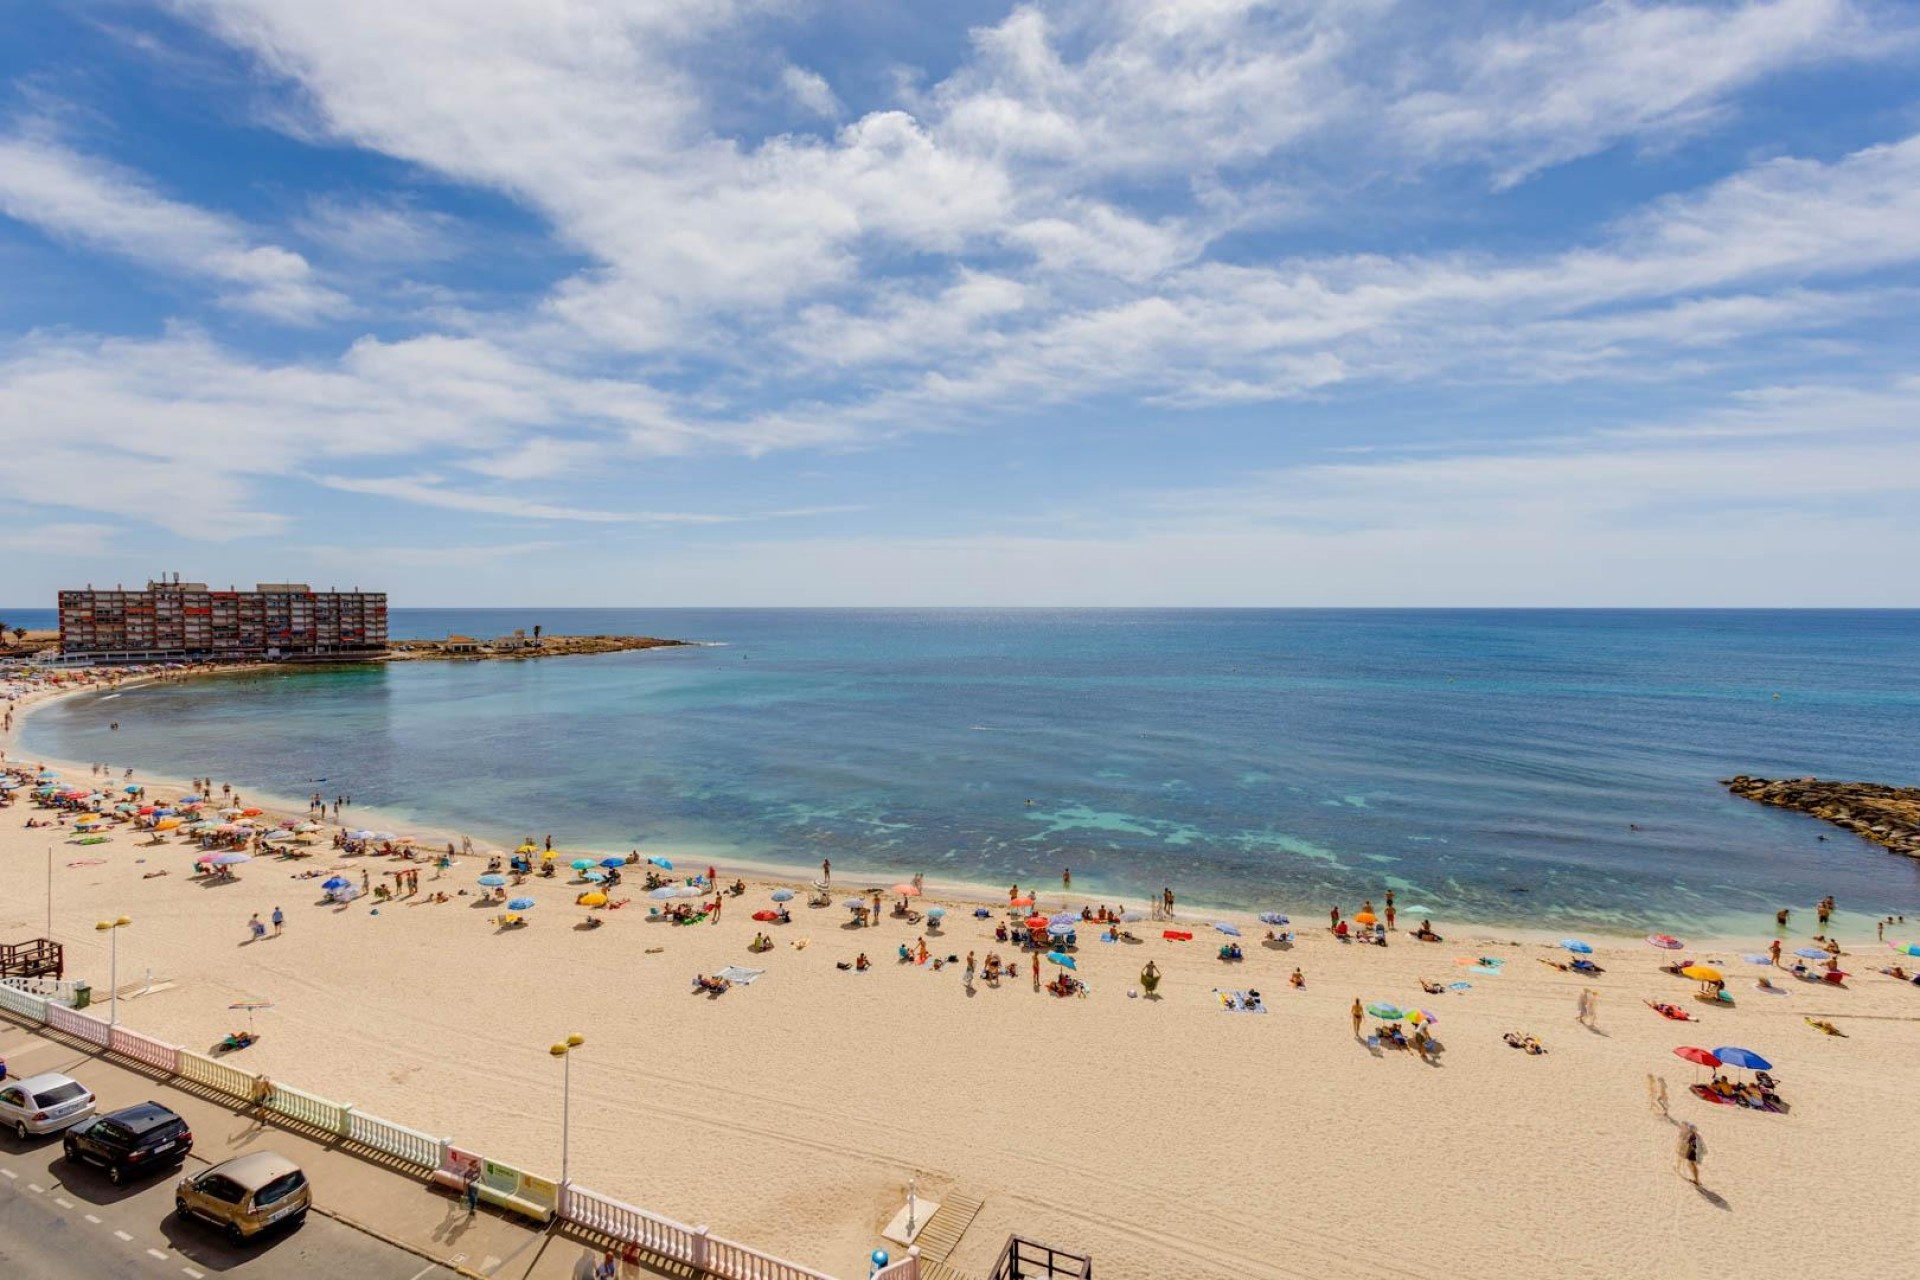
1485 764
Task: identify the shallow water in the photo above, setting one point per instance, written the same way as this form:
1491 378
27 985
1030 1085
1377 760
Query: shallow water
1484 764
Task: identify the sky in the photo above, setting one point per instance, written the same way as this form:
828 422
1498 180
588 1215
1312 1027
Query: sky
1129 302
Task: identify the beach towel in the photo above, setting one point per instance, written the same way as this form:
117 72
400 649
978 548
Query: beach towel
1175 935
734 973
1459 986
1238 1002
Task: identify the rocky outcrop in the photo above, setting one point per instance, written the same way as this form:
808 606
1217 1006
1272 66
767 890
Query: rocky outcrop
1888 816
461 649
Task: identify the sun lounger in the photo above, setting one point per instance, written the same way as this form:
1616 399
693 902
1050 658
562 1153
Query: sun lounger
1176 935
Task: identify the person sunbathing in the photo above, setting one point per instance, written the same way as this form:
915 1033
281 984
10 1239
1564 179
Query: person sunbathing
1528 1043
1432 988
1821 1024
737 888
1425 932
594 922
712 986
1340 931
861 963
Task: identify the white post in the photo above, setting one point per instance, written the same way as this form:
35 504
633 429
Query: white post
913 1262
113 977
566 1109
699 1258
912 1204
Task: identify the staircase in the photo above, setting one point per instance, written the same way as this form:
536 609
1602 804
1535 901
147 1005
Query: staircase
938 1239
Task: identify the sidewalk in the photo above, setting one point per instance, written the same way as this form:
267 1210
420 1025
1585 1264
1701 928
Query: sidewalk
389 1201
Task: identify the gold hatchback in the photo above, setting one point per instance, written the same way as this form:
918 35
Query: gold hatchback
247 1194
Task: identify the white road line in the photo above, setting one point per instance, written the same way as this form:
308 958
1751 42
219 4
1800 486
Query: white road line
425 1271
63 1202
194 1275
155 1253
94 1219
124 1236
9 1173
36 1188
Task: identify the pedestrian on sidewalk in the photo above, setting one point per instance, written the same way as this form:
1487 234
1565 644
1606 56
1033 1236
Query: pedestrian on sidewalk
473 1189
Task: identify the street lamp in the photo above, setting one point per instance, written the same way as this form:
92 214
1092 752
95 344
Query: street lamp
564 1052
112 929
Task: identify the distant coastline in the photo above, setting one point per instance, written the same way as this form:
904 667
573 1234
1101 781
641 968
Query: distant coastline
521 648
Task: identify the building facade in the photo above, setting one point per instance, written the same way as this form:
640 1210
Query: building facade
187 622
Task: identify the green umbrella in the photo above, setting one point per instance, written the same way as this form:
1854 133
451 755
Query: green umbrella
1386 1011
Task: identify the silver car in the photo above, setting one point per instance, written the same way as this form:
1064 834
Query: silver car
43 1104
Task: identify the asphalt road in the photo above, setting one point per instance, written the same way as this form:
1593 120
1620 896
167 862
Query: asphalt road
60 1221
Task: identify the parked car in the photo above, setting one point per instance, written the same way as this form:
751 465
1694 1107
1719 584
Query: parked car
43 1104
247 1194
130 1141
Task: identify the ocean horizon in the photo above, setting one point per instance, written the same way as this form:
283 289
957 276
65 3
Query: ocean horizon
1552 768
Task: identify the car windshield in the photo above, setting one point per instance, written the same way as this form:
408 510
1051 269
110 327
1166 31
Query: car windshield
279 1189
163 1131
60 1093
108 1131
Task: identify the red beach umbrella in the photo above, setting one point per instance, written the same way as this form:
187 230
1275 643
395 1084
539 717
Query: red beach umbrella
1704 1057
1036 922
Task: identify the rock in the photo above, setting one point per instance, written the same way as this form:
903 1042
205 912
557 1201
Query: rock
1888 816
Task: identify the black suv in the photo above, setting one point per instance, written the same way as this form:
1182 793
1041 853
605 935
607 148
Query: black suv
130 1141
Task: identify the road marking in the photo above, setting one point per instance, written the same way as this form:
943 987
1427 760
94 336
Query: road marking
425 1271
93 1219
36 1188
9 1173
63 1202
195 1275
155 1253
124 1236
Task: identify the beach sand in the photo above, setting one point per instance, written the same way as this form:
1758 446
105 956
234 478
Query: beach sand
1163 1137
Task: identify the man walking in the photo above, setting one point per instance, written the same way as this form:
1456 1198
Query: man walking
1359 1013
1691 1149
279 921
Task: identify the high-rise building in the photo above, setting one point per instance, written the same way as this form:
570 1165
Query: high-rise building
185 621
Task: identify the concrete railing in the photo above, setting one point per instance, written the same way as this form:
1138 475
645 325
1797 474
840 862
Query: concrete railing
87 1027
660 1236
738 1262
407 1144
155 1053
642 1230
308 1108
907 1268
24 1003
201 1069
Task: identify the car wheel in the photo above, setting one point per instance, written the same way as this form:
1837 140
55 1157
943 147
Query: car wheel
67 1149
20 1127
180 1206
116 1175
234 1233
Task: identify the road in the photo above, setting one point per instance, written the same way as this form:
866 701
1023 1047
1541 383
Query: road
67 1222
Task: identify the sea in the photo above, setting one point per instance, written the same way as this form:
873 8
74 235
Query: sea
1552 769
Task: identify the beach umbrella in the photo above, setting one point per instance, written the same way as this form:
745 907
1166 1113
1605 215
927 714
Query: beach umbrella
582 864
335 882
231 859
664 892
1058 929
528 847
1390 1013
593 899
686 891
1037 922
1906 948
1026 900
548 856
783 895
1702 973
253 813
1266 917
1700 1057
907 890
935 913
361 834
166 824
595 876
613 862
1231 930
304 827
131 788
251 1006
1419 1016
1366 917
1132 917
1757 959
661 863
1069 918
493 881
1062 959
521 904
855 904
1810 953
1737 1057
1576 946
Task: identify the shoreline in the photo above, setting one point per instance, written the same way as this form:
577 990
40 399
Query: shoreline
489 839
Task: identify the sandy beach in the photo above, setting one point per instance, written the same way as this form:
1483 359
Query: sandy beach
1163 1136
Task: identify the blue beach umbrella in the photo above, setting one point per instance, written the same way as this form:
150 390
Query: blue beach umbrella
521 904
1757 959
1273 917
662 863
783 895
934 913
594 876
493 881
1387 1012
581 864
1062 959
855 904
1060 929
613 862
1736 1057
1576 946
1810 953
131 788
361 834
335 882
664 892
1906 948
1231 930
231 859
1069 918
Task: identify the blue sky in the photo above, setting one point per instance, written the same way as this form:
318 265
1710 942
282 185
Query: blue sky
1206 302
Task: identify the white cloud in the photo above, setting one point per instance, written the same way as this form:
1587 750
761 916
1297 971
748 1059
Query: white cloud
810 90
73 197
380 232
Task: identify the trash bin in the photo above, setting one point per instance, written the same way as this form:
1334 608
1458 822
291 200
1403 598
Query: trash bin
82 995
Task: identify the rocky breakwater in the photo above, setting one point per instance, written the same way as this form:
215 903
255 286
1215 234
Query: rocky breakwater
518 649
1888 816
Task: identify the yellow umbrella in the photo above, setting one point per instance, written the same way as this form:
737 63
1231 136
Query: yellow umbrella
528 847
1702 973
166 824
593 899
1366 917
548 856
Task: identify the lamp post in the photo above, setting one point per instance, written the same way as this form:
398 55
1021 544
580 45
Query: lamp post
112 929
564 1052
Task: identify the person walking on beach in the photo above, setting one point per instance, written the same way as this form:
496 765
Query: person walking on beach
876 910
1823 912
1657 1092
1066 880
1333 918
1359 1013
969 980
255 928
1780 917
1036 971
1389 910
1587 1001
1692 1150
826 870
1773 949
279 922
